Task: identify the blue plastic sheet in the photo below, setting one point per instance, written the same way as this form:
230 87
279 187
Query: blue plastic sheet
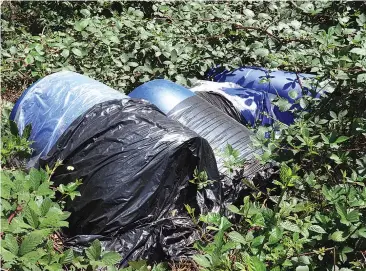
274 83
53 103
253 105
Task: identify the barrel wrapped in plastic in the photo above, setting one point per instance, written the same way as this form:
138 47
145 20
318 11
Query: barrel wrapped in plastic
135 165
52 103
211 123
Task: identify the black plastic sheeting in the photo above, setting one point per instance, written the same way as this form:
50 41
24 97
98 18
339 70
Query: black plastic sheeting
217 128
135 164
220 102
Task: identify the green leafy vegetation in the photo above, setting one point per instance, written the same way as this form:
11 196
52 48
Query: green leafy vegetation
31 220
12 144
311 217
32 216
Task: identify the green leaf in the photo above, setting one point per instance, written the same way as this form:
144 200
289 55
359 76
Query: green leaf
239 266
304 131
303 103
45 206
333 115
44 190
111 258
13 50
33 256
285 173
224 224
317 228
275 235
302 268
341 139
67 257
114 39
94 251
133 64
6 255
29 59
341 75
325 139
31 241
27 131
283 104
237 237
258 241
336 158
77 52
13 128
54 267
39 58
293 94
202 260
18 226
85 12
65 53
304 259
362 232
256 264
359 51
35 178
361 78
258 220
173 55
164 8
249 13
54 219
138 265
31 217
10 243
81 25
211 218
233 208
347 250
337 236
287 225
262 52
342 212
353 216
39 49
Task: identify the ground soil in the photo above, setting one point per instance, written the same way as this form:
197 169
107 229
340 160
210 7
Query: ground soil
11 95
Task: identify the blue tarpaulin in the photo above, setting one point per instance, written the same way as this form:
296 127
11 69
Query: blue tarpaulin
277 84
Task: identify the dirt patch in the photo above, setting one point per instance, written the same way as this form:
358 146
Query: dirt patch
184 265
11 95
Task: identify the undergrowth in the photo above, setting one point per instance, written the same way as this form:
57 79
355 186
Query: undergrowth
312 217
